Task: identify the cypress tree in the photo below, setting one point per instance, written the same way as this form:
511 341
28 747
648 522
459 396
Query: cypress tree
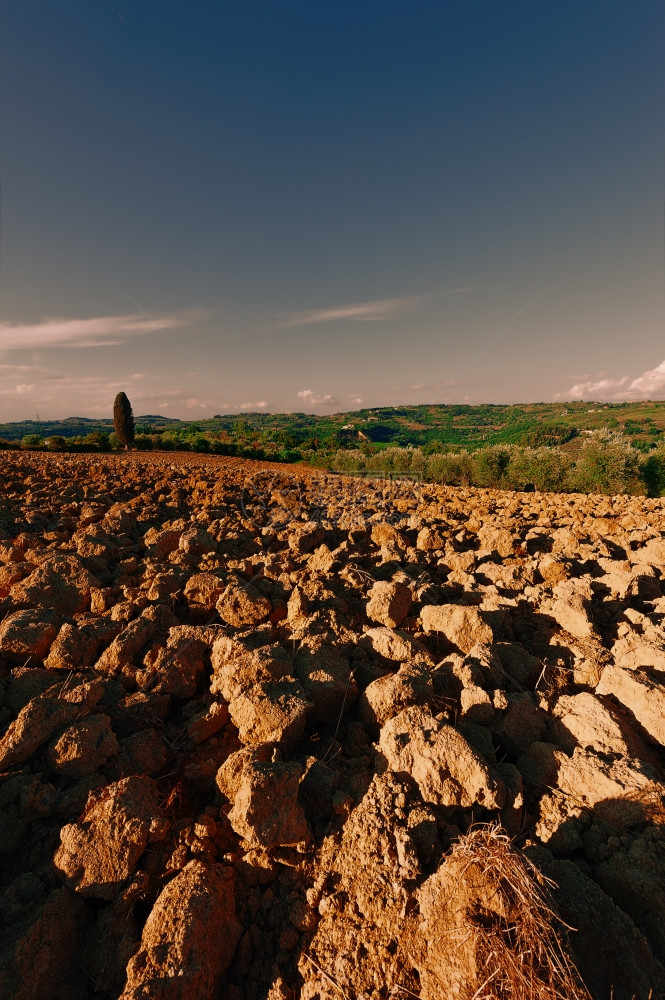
123 420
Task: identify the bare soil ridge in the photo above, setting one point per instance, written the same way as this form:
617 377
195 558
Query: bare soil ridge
268 735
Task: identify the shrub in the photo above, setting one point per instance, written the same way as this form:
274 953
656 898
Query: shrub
56 443
144 442
549 434
608 464
418 462
221 447
32 441
653 472
490 466
390 460
96 441
452 468
541 468
398 459
200 443
348 461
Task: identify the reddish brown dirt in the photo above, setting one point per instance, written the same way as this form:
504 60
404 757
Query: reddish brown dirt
251 716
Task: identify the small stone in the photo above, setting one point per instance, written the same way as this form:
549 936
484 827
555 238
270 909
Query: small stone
306 537
476 705
243 605
271 712
388 695
196 541
84 747
207 722
389 603
26 636
430 538
298 605
463 626
326 678
266 812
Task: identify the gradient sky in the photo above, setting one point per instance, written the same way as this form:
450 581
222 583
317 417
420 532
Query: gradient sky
328 205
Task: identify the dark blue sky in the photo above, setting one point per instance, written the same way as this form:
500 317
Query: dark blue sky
323 203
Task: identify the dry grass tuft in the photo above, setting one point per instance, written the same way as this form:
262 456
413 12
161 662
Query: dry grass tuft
518 936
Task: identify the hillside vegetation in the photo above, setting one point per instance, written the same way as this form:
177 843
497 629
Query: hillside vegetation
431 426
587 447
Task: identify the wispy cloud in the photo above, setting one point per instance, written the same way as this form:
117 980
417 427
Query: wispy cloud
14 371
254 406
99 331
366 312
311 398
649 385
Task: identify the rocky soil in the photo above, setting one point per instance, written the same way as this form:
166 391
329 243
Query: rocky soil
251 717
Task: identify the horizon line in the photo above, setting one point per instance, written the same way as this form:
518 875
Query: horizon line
397 406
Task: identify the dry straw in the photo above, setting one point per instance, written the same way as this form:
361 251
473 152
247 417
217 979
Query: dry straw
519 950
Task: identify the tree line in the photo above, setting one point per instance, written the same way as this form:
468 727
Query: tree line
607 461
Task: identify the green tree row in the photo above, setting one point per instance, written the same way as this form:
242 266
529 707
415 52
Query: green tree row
606 463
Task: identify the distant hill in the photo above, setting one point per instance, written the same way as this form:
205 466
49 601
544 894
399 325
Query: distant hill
77 426
431 426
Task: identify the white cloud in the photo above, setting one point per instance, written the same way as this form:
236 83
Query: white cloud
356 399
254 406
24 388
597 388
98 331
649 385
311 398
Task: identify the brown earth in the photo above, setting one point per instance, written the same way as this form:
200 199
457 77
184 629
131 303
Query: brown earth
272 733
